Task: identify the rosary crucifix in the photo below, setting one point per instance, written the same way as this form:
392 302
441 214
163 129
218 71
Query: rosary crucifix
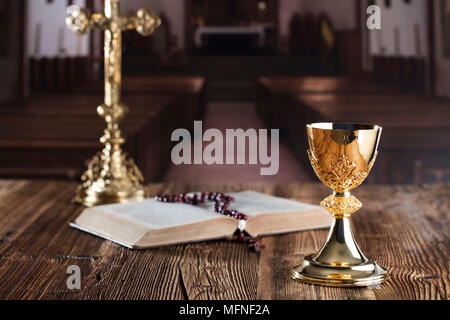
110 176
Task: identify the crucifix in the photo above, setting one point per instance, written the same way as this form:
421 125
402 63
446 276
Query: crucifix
111 176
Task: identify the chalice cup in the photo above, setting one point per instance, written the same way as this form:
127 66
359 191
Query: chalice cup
342 156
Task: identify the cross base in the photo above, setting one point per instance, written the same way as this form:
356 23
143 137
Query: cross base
111 177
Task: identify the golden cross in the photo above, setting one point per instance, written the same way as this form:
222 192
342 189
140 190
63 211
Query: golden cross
81 21
111 177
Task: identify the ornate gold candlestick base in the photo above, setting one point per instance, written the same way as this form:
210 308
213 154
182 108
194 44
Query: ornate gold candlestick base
340 262
342 156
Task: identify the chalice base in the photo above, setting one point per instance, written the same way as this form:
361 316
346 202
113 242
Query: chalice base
368 273
340 262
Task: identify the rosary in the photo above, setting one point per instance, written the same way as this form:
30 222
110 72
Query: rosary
221 206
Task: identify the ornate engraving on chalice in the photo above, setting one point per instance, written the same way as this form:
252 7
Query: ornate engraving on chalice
111 176
342 156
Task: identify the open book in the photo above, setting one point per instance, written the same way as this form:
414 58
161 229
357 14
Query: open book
151 223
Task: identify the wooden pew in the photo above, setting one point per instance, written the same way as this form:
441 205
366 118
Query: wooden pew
59 74
273 93
192 89
139 94
416 127
406 73
55 135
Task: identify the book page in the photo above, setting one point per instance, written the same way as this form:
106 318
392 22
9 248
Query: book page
156 215
254 203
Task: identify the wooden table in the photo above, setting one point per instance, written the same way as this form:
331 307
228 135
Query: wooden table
406 228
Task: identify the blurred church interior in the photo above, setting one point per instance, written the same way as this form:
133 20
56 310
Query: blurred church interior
232 64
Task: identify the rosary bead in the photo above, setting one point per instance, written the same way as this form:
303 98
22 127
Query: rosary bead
221 205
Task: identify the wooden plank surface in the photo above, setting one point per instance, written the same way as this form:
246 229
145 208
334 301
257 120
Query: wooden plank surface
405 228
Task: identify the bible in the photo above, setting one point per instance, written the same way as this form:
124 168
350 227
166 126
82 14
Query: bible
147 224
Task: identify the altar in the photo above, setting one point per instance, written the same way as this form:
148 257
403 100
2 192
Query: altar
242 40
403 227
252 30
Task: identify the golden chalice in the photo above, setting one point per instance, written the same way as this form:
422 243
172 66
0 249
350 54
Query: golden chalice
342 156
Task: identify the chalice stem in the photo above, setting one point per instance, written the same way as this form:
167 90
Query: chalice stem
340 248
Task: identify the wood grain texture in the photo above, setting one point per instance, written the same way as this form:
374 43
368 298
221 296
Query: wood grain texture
405 228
